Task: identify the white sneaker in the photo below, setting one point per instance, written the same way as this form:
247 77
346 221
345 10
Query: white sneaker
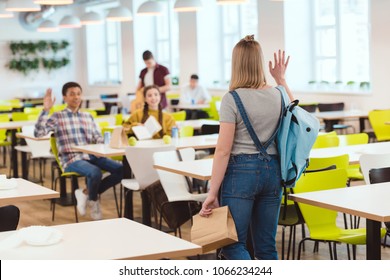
94 206
81 198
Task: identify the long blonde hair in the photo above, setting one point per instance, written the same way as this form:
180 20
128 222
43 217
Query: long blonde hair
247 65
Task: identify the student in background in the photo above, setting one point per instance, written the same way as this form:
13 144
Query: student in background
155 74
193 93
70 128
152 107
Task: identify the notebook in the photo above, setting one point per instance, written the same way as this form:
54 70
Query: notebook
146 131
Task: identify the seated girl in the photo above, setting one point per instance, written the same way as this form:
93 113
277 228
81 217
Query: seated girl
152 107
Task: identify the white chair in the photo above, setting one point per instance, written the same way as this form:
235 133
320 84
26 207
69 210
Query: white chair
370 161
140 160
176 187
40 150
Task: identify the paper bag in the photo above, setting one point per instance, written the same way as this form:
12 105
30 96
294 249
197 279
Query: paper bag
216 231
119 138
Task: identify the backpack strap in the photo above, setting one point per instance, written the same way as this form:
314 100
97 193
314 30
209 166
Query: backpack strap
262 148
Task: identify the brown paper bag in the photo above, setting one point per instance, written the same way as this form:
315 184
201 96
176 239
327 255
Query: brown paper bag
119 138
216 231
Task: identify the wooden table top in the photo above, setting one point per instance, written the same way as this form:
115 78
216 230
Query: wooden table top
336 115
367 201
199 169
196 142
354 151
111 239
25 191
16 124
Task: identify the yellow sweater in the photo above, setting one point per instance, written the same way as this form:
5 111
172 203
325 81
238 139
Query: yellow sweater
135 119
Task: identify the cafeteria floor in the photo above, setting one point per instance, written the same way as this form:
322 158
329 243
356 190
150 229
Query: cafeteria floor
39 213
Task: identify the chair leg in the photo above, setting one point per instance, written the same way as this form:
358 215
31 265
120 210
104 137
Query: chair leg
303 236
75 186
116 202
334 250
289 242
283 233
330 250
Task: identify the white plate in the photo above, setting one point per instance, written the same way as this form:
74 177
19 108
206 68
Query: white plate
40 235
7 184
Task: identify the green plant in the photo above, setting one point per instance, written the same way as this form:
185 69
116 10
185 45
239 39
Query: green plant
54 64
24 65
350 83
364 85
338 82
312 82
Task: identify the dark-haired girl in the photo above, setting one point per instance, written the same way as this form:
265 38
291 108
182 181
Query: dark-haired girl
152 107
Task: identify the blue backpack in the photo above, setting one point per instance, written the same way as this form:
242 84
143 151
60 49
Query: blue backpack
295 136
297 132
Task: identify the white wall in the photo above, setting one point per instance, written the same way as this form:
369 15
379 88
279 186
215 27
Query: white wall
15 84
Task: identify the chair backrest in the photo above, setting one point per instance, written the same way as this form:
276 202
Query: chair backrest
3 132
9 217
54 150
19 116
33 110
179 116
379 175
209 129
327 107
378 119
39 149
311 108
326 141
317 219
5 108
175 185
371 161
186 131
353 139
141 162
341 162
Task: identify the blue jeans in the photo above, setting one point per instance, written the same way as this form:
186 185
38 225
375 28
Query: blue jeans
92 170
252 190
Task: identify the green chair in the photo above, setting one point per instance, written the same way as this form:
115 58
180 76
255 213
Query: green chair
92 112
321 222
33 110
186 131
213 111
353 170
68 175
326 141
179 116
378 119
341 162
118 119
5 108
19 116
57 108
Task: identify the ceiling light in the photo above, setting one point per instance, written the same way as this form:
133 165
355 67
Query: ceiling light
187 5
91 18
22 6
53 2
227 2
150 8
48 26
70 22
3 12
119 14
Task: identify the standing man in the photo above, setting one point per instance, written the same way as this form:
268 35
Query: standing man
71 127
155 74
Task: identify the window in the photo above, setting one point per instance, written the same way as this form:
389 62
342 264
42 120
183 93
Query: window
167 38
329 43
341 40
104 49
237 22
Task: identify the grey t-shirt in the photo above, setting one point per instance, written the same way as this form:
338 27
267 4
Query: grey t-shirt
263 110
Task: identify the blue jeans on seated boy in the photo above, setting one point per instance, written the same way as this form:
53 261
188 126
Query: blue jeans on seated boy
251 188
92 170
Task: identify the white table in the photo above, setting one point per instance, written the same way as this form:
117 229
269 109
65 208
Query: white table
198 169
332 117
368 201
196 124
190 106
25 191
354 151
105 240
13 126
196 142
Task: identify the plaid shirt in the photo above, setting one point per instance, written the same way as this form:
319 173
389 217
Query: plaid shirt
69 129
